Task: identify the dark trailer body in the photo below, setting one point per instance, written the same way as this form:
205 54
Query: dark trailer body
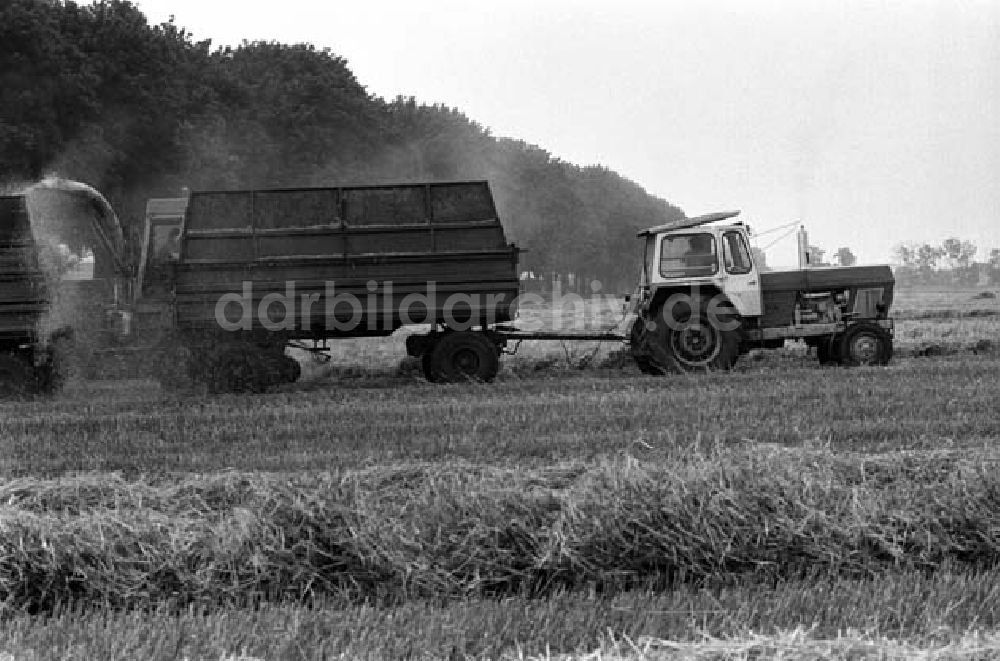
23 291
407 254
254 271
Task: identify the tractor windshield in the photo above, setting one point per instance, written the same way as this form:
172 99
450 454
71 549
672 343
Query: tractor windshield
688 255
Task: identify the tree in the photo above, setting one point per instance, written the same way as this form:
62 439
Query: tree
845 257
94 92
46 83
926 261
958 252
993 266
905 254
960 256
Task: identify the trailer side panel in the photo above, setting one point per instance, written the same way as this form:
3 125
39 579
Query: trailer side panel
414 253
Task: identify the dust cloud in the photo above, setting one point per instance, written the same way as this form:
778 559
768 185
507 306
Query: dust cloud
80 248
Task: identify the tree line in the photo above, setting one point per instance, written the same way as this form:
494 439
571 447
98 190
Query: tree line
96 93
950 263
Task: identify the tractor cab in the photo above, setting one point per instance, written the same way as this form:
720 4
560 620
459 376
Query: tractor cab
692 253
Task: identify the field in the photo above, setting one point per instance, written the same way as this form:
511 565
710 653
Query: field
572 508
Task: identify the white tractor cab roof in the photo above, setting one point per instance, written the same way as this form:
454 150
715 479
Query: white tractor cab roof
684 223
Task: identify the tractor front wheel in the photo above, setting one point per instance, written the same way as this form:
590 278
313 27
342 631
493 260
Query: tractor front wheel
865 344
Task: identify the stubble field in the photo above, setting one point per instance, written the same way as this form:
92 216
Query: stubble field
572 507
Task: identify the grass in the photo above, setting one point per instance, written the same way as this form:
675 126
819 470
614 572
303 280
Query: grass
919 611
365 513
557 415
468 530
795 644
921 301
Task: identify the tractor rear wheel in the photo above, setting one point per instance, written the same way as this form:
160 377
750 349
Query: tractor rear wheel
464 356
865 343
696 340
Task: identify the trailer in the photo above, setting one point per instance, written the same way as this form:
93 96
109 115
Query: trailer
229 279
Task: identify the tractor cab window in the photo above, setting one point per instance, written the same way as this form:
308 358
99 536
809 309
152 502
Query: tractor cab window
163 246
165 243
647 260
736 254
688 255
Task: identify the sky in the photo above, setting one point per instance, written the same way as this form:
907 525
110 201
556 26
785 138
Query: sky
870 122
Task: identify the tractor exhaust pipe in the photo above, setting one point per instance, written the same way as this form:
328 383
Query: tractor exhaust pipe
804 261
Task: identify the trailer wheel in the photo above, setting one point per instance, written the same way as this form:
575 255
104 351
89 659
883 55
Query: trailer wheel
865 344
236 371
698 342
427 366
280 368
50 376
15 376
293 370
173 371
49 379
464 356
